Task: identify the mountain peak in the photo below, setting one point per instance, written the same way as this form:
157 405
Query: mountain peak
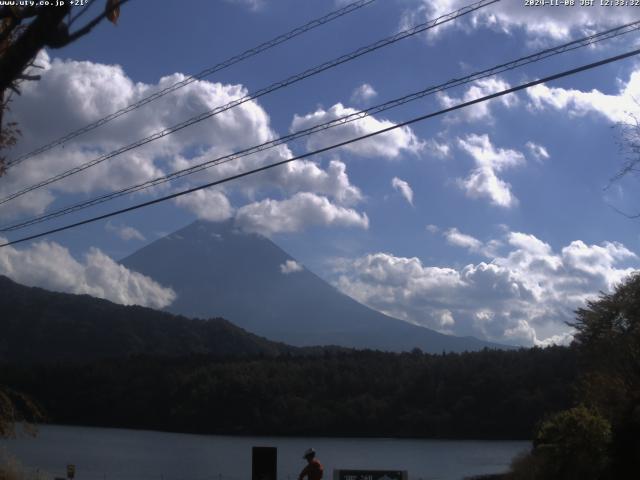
217 270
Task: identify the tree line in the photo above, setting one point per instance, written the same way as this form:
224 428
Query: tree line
488 394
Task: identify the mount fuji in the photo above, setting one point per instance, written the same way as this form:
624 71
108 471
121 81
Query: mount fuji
218 271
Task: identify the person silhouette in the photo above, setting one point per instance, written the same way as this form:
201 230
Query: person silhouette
314 469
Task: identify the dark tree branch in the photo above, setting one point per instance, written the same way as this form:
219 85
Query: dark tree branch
48 29
29 77
37 35
12 18
18 13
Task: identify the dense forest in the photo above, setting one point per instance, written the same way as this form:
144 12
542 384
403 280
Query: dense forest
488 394
42 326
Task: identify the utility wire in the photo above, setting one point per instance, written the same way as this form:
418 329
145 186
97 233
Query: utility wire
273 87
198 76
570 46
421 118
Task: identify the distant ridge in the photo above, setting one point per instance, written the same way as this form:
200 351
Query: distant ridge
37 325
219 271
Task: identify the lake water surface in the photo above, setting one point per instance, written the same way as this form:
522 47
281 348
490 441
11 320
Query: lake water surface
116 454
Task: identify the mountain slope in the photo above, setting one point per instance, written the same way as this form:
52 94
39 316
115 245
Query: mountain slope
216 270
38 325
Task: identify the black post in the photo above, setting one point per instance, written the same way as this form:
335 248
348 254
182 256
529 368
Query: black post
264 463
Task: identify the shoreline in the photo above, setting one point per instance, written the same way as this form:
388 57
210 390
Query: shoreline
273 435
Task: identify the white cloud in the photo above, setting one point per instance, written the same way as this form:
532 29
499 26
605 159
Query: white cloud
541 24
433 229
538 151
207 204
404 188
51 266
290 266
562 339
295 214
596 260
438 149
483 181
363 94
523 296
482 110
125 232
253 5
308 176
73 93
389 145
459 239
576 103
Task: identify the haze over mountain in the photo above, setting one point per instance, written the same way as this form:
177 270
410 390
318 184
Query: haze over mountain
217 270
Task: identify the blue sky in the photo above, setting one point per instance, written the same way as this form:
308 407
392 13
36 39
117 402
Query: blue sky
494 221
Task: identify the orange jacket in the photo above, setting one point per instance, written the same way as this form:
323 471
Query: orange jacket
313 471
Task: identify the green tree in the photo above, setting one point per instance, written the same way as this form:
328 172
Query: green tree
573 444
608 339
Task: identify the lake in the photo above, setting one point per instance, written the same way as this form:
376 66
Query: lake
117 454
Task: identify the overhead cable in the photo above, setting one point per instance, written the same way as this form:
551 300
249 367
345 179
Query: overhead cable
198 76
549 52
421 118
253 96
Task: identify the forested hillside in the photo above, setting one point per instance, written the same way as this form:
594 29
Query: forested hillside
38 325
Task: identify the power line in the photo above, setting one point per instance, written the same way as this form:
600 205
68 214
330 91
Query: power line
421 118
198 76
549 52
273 87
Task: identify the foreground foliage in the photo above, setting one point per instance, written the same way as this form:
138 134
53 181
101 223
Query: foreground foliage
17 408
600 438
12 469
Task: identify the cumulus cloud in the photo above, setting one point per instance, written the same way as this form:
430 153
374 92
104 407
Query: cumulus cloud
479 89
577 103
124 232
456 238
540 24
207 204
459 239
363 94
308 176
290 266
295 214
522 296
74 93
51 266
483 181
390 145
404 188
538 151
